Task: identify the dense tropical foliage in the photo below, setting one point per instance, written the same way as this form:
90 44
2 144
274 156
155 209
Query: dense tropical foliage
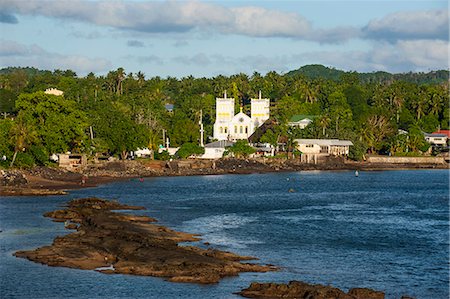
120 111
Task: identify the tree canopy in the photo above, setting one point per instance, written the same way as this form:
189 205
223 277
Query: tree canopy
121 111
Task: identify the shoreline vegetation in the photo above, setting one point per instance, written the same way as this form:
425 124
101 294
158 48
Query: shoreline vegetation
40 181
46 113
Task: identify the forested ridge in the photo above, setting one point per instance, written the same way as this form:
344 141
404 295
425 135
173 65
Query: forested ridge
121 111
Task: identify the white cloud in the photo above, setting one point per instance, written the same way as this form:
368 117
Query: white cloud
433 24
163 17
11 48
256 21
15 54
403 56
425 53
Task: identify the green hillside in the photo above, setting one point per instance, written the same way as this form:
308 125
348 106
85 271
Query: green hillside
315 71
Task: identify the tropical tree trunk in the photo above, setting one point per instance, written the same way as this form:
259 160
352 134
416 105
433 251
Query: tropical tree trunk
124 155
13 159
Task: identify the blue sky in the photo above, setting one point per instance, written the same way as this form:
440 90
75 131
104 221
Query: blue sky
208 38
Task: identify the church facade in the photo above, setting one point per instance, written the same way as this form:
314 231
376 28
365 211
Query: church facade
231 126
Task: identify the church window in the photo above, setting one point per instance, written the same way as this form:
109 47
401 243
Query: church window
235 129
221 130
226 129
246 130
240 129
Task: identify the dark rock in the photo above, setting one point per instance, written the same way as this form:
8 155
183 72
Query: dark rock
12 178
133 246
302 290
364 293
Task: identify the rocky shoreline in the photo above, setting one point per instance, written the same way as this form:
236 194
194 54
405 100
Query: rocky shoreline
118 243
302 290
56 181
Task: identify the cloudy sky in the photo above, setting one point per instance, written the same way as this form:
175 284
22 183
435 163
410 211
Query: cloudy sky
208 38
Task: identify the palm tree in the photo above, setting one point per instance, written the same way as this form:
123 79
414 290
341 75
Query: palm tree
22 136
120 76
324 122
140 78
398 103
420 104
153 141
435 102
311 91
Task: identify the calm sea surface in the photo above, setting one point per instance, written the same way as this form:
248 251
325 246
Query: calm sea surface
383 230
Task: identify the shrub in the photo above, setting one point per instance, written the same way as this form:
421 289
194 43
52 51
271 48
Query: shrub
189 149
39 154
357 151
24 160
163 156
241 149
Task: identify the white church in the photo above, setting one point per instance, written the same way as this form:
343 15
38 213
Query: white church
229 126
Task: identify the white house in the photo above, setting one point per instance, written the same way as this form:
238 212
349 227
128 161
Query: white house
215 150
229 126
142 152
54 91
325 147
439 139
300 121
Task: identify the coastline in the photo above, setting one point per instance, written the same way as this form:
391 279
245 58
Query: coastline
42 181
242 180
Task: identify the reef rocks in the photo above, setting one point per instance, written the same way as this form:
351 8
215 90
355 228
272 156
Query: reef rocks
12 178
112 242
302 290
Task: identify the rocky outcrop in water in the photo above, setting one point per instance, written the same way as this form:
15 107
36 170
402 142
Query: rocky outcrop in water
302 290
114 243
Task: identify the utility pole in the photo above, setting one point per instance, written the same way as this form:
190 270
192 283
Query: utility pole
200 122
164 135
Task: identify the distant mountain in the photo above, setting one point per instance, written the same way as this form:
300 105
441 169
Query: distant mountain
315 71
30 71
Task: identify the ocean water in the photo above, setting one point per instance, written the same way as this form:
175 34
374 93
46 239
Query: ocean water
386 230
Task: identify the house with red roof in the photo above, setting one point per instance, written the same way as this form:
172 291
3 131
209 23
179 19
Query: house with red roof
438 138
446 132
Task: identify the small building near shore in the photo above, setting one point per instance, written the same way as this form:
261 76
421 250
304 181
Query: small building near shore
301 121
436 139
263 150
215 150
326 147
72 161
142 152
